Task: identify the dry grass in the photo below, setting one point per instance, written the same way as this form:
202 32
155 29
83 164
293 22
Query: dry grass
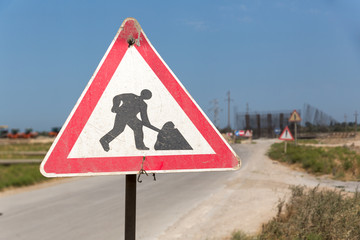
316 214
313 215
24 150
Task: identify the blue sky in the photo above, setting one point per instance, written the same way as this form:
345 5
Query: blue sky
272 55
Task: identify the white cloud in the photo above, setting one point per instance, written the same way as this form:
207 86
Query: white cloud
238 12
232 8
245 19
243 7
196 24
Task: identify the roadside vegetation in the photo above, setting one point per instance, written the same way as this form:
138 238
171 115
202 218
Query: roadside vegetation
308 141
339 162
314 215
17 175
24 150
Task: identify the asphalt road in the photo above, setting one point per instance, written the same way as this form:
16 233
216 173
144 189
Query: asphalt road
93 207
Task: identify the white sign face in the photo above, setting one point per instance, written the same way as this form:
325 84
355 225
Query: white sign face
286 135
132 76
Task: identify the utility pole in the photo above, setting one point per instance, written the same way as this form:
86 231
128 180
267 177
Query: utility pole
228 100
356 114
345 117
215 108
235 111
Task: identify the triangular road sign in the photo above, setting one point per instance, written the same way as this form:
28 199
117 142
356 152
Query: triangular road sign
248 133
295 117
286 135
135 114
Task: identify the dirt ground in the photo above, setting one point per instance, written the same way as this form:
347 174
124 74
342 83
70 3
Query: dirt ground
340 140
248 200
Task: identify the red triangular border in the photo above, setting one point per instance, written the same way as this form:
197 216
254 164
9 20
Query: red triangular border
56 162
285 139
292 114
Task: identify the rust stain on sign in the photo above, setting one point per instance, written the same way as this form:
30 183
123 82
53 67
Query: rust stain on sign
130 30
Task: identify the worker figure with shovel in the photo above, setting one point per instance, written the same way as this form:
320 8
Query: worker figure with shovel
127 106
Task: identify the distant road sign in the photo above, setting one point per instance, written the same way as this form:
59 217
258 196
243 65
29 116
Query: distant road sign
277 131
248 133
295 117
286 135
240 133
135 114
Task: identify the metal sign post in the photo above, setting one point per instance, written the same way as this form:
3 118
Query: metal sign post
295 118
295 134
130 207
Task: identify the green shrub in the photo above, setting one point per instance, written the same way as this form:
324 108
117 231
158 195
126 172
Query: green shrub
19 175
239 235
340 161
347 164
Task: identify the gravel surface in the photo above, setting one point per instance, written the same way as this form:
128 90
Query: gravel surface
248 200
